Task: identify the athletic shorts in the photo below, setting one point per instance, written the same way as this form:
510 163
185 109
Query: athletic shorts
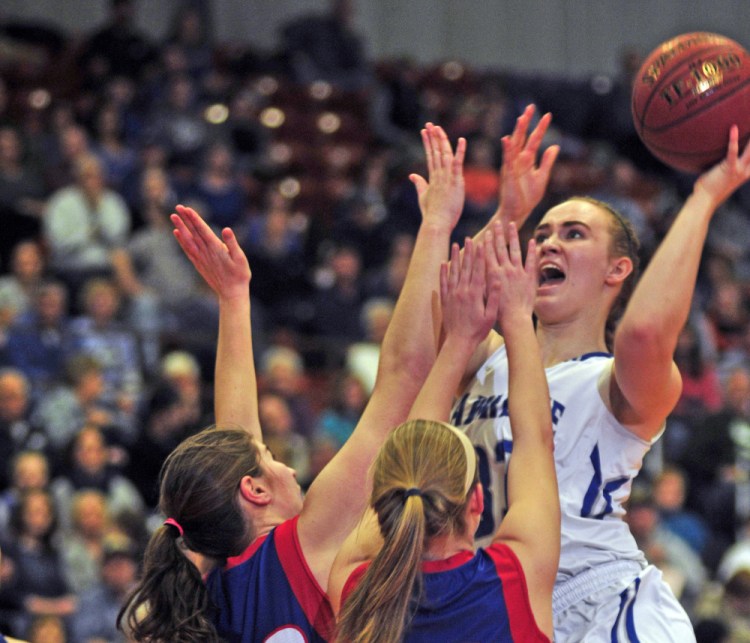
625 604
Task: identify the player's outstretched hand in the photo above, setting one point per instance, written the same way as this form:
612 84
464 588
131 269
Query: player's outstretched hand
220 261
441 196
523 182
720 181
507 275
467 312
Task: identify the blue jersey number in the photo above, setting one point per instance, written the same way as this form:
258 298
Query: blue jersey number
487 524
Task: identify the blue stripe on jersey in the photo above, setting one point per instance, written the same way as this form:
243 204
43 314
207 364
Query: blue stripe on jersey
585 356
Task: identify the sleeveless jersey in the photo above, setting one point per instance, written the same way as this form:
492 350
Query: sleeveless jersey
268 593
596 458
470 596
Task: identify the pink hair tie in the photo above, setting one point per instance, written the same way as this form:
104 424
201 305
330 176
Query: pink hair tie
174 523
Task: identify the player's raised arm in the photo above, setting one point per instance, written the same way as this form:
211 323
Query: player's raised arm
646 383
338 496
223 265
467 316
532 525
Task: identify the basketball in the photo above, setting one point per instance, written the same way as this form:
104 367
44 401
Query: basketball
687 94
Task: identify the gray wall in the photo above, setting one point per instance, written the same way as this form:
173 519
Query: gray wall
568 36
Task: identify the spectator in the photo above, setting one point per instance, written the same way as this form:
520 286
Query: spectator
83 223
725 603
727 312
117 48
17 432
82 547
47 629
89 468
176 122
362 358
96 617
337 301
36 343
100 334
165 294
182 371
22 188
717 460
325 47
386 281
36 585
189 34
682 568
275 244
282 372
670 492
701 393
218 189
340 416
77 402
117 155
68 143
701 389
27 266
164 423
29 470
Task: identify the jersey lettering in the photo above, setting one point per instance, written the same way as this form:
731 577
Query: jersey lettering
596 487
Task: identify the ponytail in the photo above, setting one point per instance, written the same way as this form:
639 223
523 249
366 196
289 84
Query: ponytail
198 491
378 609
422 479
171 602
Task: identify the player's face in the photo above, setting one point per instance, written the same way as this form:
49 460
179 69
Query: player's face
573 246
287 494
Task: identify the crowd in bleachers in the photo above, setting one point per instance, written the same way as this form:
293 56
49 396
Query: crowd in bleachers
107 333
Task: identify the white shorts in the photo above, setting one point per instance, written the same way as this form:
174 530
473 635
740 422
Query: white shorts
634 606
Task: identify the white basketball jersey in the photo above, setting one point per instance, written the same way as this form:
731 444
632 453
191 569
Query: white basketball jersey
595 456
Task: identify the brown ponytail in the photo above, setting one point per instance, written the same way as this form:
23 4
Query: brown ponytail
419 492
199 483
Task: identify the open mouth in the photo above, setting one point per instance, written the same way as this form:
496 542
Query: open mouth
551 275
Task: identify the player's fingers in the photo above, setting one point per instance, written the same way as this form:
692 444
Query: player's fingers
468 261
444 266
458 159
455 266
514 245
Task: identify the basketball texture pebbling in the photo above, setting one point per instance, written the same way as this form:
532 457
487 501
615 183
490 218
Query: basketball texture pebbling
687 94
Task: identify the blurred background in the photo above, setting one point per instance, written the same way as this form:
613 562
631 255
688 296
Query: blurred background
297 124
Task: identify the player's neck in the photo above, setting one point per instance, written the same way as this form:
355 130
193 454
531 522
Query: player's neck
563 341
443 547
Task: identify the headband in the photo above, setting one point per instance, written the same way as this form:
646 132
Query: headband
471 457
176 525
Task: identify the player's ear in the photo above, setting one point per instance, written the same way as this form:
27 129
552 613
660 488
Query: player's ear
476 501
619 270
255 491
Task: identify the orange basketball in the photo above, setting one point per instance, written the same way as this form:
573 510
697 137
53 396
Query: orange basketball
687 94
